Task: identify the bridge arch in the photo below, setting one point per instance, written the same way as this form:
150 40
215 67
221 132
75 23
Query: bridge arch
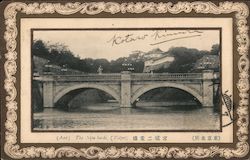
104 88
147 88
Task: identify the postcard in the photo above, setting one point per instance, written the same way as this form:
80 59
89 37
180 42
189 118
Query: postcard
102 80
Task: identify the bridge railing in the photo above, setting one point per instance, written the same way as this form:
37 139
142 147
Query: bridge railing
87 77
117 77
166 76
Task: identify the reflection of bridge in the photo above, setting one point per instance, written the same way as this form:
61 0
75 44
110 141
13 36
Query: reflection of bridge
126 87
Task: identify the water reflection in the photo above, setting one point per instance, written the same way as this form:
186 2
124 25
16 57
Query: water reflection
109 116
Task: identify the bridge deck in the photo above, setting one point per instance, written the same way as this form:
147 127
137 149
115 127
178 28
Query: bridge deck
117 77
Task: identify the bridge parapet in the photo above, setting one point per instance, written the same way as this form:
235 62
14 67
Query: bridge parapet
85 77
208 74
167 76
118 77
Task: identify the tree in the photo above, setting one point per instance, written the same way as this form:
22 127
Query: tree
39 49
185 59
58 54
215 49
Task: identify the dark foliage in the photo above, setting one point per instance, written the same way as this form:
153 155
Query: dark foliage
65 57
185 59
215 49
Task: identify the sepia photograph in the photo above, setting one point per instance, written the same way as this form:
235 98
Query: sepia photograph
127 79
124 80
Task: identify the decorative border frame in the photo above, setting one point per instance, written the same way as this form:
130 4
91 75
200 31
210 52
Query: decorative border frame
13 150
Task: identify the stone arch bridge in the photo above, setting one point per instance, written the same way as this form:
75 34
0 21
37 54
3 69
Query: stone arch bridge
127 87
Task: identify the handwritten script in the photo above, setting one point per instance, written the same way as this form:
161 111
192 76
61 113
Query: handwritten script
157 36
227 100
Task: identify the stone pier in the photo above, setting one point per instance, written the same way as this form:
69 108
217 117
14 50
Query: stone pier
125 89
208 89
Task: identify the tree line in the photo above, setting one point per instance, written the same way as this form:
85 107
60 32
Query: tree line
58 54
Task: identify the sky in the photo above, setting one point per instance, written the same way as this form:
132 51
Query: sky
112 44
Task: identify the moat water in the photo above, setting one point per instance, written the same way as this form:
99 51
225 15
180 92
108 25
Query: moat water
109 116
